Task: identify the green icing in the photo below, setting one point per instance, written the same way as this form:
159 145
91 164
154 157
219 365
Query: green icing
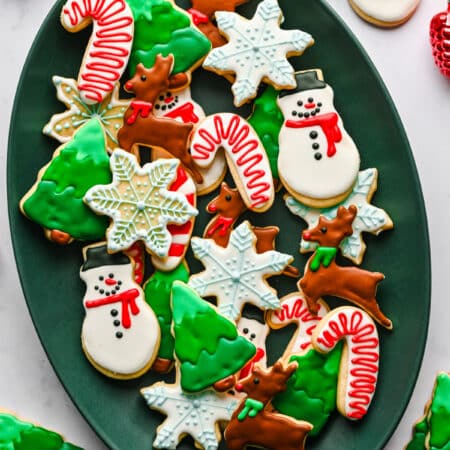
162 28
251 408
267 120
57 201
419 435
439 414
157 294
311 391
324 256
206 344
18 435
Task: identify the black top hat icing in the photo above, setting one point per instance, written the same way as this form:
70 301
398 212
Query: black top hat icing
253 313
98 256
305 82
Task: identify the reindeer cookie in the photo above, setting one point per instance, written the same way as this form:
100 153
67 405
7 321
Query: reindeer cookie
323 276
254 424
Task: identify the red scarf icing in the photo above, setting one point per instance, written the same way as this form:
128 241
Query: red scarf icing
198 17
139 107
185 113
248 368
128 300
222 224
328 123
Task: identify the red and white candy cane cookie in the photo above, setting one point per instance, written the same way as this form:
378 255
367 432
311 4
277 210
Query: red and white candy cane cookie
108 49
244 152
358 371
181 234
137 252
295 310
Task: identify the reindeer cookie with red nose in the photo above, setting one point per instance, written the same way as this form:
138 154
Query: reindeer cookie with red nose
323 276
254 424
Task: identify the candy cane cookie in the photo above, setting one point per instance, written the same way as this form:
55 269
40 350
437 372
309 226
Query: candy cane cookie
108 49
244 153
360 356
295 310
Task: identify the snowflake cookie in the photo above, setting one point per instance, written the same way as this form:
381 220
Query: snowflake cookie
109 112
237 274
196 414
257 50
368 219
140 204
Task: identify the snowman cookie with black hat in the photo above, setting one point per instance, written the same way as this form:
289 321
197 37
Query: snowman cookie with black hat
318 161
120 334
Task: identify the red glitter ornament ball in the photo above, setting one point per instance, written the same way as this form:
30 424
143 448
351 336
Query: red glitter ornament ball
440 40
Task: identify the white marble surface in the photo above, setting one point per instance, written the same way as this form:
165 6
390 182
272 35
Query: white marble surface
28 384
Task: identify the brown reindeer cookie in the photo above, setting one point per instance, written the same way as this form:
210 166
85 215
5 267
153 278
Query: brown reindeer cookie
323 276
142 127
255 424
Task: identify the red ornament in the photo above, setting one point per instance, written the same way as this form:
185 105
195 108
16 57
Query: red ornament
440 40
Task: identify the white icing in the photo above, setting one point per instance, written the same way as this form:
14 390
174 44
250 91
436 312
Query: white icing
294 309
256 333
138 346
298 167
387 10
244 152
360 356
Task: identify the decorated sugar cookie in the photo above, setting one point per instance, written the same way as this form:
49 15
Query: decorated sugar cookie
323 276
109 48
257 50
110 113
385 13
55 201
120 333
207 345
369 218
194 414
237 274
252 424
318 161
439 32
139 203
358 372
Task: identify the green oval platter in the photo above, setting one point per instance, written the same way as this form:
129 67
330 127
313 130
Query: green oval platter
50 274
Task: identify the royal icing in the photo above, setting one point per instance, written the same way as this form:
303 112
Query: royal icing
109 48
137 253
386 11
360 359
207 345
139 203
369 218
197 415
318 161
245 154
120 333
55 201
110 113
237 274
295 310
257 50
439 32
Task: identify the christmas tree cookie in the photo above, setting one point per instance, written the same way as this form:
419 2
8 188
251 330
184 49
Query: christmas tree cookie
55 201
207 345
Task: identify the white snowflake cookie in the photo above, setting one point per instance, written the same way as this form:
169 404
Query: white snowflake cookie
237 274
140 204
257 50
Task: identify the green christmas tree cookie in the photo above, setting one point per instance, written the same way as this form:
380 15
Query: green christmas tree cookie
311 391
419 435
55 201
207 344
16 434
267 120
157 294
162 27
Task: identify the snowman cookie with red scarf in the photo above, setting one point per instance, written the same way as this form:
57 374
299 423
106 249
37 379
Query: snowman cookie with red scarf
318 161
120 334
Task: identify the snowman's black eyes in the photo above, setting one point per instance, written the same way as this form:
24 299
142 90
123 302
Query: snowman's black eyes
143 78
310 100
169 94
245 330
253 335
111 275
323 230
228 197
300 103
101 278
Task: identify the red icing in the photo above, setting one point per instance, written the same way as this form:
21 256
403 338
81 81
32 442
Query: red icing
329 124
223 224
440 41
140 108
128 300
110 47
365 366
137 252
110 282
185 113
177 250
236 134
180 179
248 368
198 17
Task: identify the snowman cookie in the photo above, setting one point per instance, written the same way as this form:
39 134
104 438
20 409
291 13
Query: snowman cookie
318 161
120 334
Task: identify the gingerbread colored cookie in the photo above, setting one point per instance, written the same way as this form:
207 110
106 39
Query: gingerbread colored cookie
385 13
55 201
109 48
257 50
